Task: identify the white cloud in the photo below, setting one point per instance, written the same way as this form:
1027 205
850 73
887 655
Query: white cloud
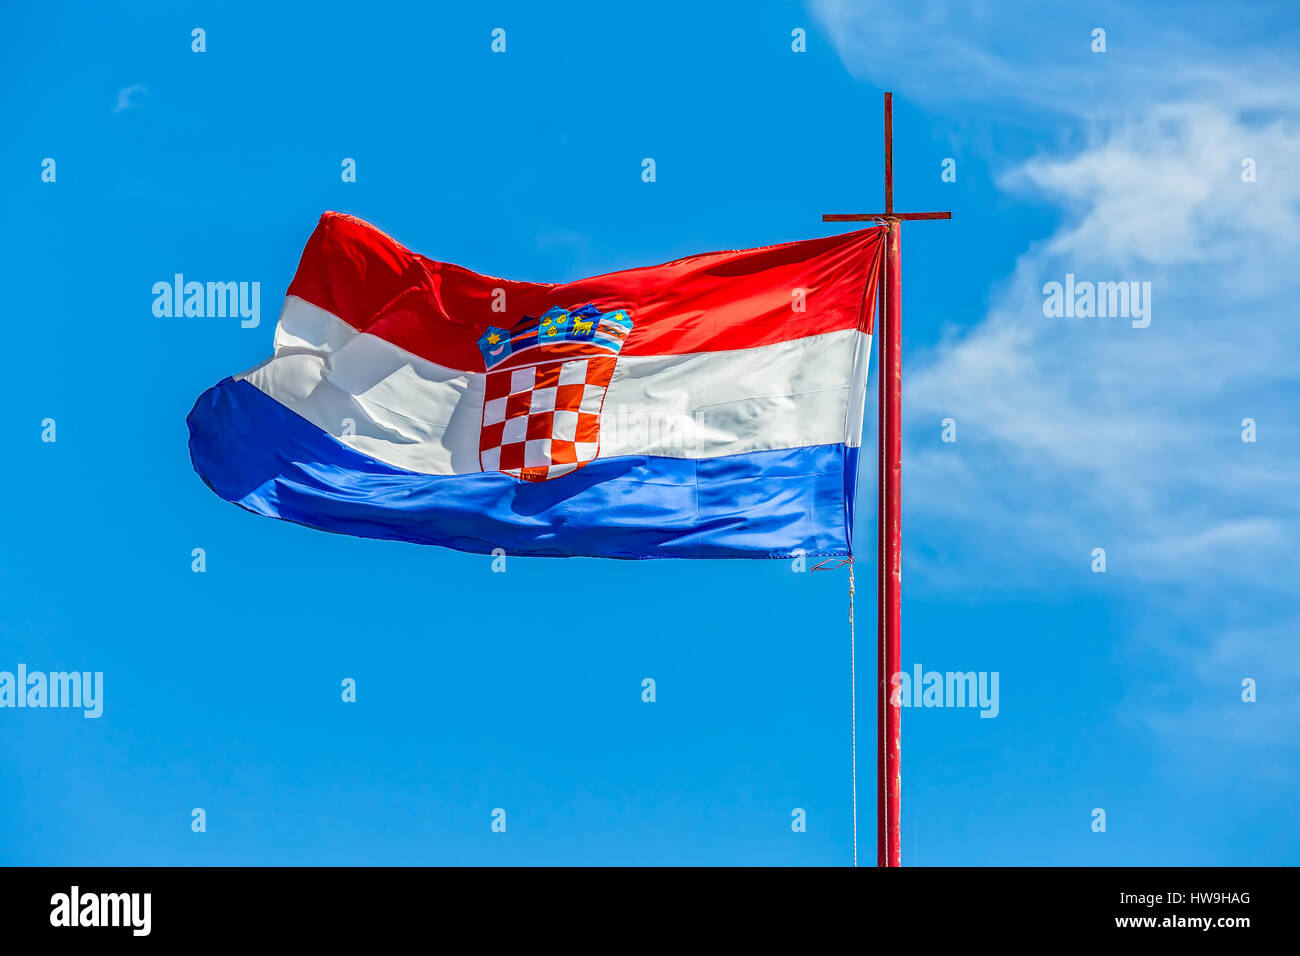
1088 427
1083 433
1140 428
1017 58
130 97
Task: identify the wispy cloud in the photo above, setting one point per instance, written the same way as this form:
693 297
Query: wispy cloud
131 96
1139 427
1018 57
1082 433
1132 437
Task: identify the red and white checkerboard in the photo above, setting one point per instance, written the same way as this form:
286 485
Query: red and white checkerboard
542 421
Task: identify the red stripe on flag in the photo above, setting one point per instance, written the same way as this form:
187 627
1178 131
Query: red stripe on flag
710 302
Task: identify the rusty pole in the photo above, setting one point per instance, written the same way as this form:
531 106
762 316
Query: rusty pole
889 778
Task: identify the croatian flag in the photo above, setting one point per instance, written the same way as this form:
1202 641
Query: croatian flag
710 407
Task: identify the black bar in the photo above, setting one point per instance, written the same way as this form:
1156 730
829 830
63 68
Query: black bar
975 907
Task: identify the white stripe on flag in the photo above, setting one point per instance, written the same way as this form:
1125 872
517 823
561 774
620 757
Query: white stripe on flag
414 414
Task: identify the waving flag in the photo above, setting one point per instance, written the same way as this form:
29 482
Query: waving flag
710 407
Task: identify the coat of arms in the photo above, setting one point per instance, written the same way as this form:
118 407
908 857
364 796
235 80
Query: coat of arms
546 382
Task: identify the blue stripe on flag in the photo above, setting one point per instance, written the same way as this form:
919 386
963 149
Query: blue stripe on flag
255 452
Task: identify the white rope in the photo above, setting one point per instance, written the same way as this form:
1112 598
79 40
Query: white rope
853 713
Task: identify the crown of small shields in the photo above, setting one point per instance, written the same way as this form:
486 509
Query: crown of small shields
605 331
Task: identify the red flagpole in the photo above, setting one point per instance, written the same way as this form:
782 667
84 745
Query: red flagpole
889 788
889 566
889 335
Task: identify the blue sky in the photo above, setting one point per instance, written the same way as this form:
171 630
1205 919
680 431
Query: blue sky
1119 691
